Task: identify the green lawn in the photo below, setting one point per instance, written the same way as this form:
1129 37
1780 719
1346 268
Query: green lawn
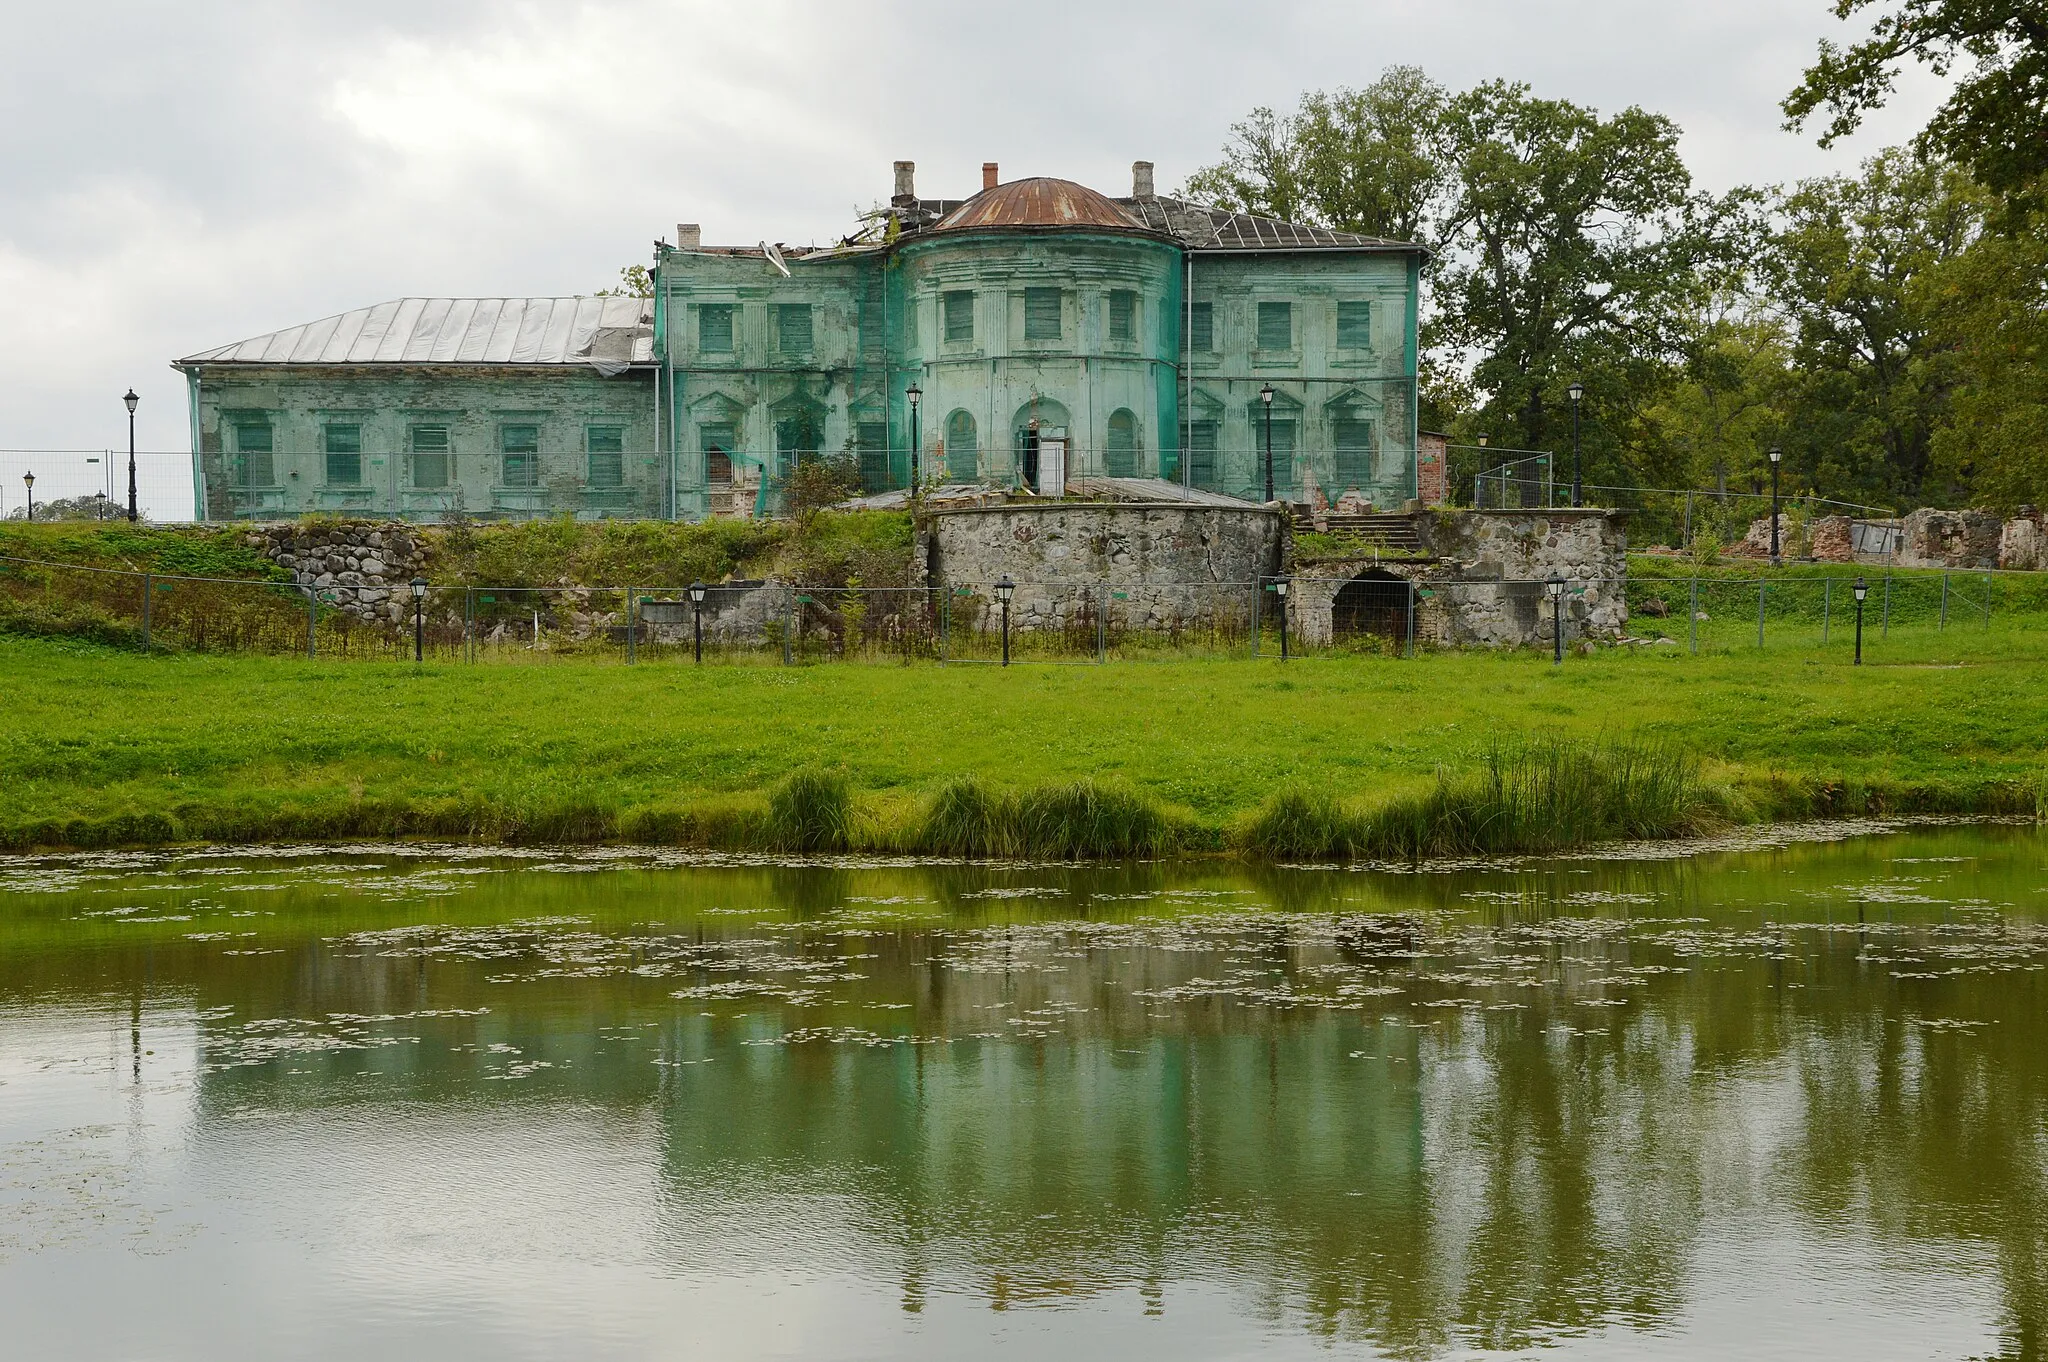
99 746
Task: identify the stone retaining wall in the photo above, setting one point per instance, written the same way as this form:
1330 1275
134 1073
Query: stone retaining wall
362 567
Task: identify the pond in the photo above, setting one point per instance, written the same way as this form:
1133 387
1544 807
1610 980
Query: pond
1784 1096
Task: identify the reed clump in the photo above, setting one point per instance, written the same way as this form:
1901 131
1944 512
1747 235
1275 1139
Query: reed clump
1546 795
1081 820
810 811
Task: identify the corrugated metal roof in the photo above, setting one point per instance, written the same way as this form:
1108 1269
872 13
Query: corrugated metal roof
606 332
1218 229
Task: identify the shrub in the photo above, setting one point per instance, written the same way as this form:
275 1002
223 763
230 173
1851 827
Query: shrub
811 811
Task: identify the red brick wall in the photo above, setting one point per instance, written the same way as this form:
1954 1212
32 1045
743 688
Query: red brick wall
1432 468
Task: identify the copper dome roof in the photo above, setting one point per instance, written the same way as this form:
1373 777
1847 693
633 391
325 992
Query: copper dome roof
1040 202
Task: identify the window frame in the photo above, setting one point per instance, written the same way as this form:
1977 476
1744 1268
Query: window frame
1035 296
239 471
783 312
1202 328
506 453
591 452
1260 312
446 454
330 433
1362 327
963 300
1121 323
731 313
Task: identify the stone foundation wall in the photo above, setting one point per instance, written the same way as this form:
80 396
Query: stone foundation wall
1162 565
363 567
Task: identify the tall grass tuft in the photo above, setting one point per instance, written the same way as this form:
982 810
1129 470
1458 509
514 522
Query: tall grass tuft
1547 795
810 811
1079 821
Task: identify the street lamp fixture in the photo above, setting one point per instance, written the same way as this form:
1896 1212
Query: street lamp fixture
1266 398
419 603
697 617
1861 589
1555 588
1777 455
130 400
1005 588
1577 393
1280 590
1485 438
916 396
29 481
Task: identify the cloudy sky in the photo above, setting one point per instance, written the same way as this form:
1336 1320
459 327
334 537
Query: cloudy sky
176 176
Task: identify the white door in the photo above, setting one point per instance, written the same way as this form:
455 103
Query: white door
1052 467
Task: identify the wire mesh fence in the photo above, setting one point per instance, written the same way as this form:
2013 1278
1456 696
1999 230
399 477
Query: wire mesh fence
779 623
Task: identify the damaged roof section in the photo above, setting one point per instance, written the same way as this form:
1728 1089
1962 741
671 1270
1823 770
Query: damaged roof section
609 334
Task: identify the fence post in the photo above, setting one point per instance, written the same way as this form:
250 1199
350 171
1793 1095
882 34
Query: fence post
1258 585
1989 583
1761 587
632 627
312 621
789 626
1685 535
1943 622
1102 624
148 604
1411 616
1827 592
1693 614
469 624
1885 625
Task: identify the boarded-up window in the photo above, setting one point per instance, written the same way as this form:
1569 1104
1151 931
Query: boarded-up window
430 457
520 446
714 328
960 315
344 445
793 328
1123 315
1041 314
1202 328
1354 440
1276 326
607 447
963 450
718 440
1121 457
253 465
873 437
1354 326
1202 454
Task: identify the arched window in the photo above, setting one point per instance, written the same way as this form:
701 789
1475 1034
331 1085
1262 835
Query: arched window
1122 455
963 454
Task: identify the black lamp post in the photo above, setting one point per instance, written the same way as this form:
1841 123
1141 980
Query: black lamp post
99 508
1005 588
1555 586
28 480
1777 454
697 618
419 603
916 396
1861 589
1266 397
1576 393
131 399
1280 590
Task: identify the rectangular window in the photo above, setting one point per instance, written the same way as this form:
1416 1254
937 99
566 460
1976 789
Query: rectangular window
521 447
344 455
1202 454
714 328
1354 456
1202 328
718 440
430 457
607 446
253 465
1123 315
874 456
793 328
1276 326
960 316
1283 461
1041 314
1354 326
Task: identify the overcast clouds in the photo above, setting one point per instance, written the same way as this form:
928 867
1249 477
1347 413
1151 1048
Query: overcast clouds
178 176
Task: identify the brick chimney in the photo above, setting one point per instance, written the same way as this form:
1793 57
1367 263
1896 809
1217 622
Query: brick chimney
689 236
906 184
1141 180
988 174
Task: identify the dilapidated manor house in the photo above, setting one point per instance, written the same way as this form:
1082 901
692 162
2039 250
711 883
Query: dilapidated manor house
1033 334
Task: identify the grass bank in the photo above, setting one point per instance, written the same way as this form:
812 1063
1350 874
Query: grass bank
100 747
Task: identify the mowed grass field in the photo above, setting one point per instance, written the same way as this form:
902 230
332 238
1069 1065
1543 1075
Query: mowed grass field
101 747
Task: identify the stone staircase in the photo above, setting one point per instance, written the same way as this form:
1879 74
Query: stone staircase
1389 532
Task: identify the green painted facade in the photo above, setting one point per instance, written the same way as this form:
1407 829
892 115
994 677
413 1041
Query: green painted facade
1135 335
